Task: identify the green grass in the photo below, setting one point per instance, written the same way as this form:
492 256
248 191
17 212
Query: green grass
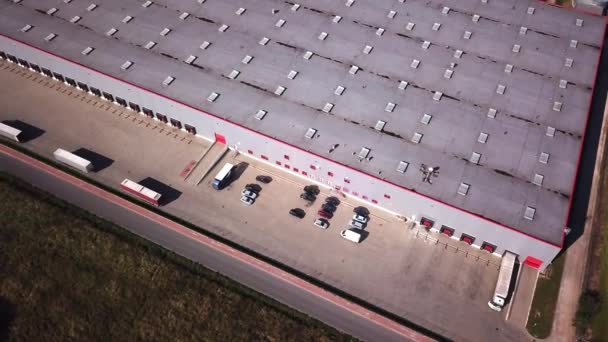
68 275
542 310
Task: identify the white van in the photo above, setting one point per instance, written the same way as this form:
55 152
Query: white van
352 234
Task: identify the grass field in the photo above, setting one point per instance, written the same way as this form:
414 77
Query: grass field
599 326
542 310
66 275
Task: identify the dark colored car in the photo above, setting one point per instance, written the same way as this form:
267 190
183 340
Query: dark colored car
297 212
263 179
325 214
308 197
253 187
363 211
333 201
329 208
312 189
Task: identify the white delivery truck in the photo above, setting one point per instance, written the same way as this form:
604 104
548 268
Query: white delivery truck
73 160
504 281
223 177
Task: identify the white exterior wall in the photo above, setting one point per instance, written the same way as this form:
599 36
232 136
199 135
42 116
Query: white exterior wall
401 201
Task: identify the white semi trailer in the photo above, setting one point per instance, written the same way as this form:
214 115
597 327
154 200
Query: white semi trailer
504 280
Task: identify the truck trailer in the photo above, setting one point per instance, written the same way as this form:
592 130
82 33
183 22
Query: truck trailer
504 281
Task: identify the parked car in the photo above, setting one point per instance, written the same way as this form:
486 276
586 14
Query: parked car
362 211
325 214
253 187
360 218
329 208
356 224
249 193
247 200
263 179
308 197
297 212
321 223
312 189
352 234
333 201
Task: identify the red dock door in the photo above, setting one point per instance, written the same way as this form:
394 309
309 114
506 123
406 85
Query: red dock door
220 138
533 262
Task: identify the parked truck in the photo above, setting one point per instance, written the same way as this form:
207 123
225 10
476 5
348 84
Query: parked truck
504 281
223 177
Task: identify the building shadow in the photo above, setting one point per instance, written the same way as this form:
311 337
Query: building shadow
586 168
98 161
7 315
28 132
168 193
238 171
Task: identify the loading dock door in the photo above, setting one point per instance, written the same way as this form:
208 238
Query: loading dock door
533 262
220 139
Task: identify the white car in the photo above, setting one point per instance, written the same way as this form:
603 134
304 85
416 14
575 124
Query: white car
247 200
360 218
322 223
356 224
249 194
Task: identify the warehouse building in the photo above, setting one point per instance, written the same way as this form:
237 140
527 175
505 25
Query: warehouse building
468 119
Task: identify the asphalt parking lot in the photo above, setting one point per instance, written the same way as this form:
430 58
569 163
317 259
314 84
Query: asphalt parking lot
433 281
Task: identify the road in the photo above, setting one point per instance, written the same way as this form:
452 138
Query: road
251 272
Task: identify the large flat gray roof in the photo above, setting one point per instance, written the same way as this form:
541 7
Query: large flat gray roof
521 45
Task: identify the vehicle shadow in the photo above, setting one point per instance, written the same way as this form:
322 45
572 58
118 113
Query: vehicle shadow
364 235
28 132
168 193
238 171
99 161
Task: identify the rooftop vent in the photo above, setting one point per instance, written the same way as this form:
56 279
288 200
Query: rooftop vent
51 11
150 45
336 19
87 51
213 97
573 43
260 114
26 28
126 65
127 19
390 107
475 158
437 95
307 55
448 73
563 84
205 45
75 19
523 30
557 106
426 119
516 48
50 37
280 23
240 11
379 31
568 63
402 167
292 74
426 44
223 28
467 34
475 18
508 68
264 41
530 10
280 90
415 63
416 138
410 26
349 3
391 14
367 49
111 32
168 81
247 59
323 36
463 189
353 69
500 89
234 74
550 131
295 7
491 113
579 22
458 54
402 85
436 26
380 125
538 179
445 10
165 31
310 133
146 4
529 213
483 137
190 59
543 158
339 90
328 107
91 7
184 15
364 152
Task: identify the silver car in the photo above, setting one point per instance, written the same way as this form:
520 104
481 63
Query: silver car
247 200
